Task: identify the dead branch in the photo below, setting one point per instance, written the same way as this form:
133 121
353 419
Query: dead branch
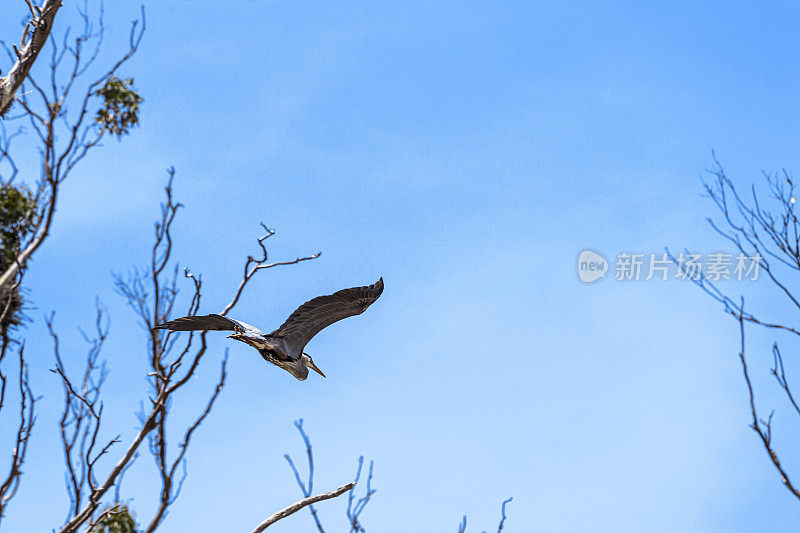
280 515
149 308
763 428
355 510
306 488
152 294
34 37
169 490
462 526
10 484
253 265
81 418
94 498
779 372
66 137
773 235
503 515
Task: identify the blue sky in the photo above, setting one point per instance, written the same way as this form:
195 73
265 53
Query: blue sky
467 152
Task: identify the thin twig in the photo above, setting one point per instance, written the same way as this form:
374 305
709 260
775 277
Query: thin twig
761 427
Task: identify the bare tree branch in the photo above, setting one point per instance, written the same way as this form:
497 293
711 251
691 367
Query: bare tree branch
779 372
34 37
773 235
152 294
306 489
280 515
10 484
94 498
149 309
253 265
63 147
81 418
763 428
58 107
503 515
167 472
462 526
354 511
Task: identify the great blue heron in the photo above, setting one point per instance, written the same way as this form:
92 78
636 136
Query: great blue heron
284 346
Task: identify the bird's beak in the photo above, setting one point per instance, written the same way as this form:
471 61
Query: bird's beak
313 367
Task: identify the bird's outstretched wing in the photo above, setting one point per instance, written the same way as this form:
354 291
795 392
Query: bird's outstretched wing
319 313
215 322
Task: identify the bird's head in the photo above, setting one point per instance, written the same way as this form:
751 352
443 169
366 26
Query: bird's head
306 359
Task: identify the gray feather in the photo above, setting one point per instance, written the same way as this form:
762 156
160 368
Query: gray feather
319 313
212 322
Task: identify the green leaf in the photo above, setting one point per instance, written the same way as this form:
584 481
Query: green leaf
120 111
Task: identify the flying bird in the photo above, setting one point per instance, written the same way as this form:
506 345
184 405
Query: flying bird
284 346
